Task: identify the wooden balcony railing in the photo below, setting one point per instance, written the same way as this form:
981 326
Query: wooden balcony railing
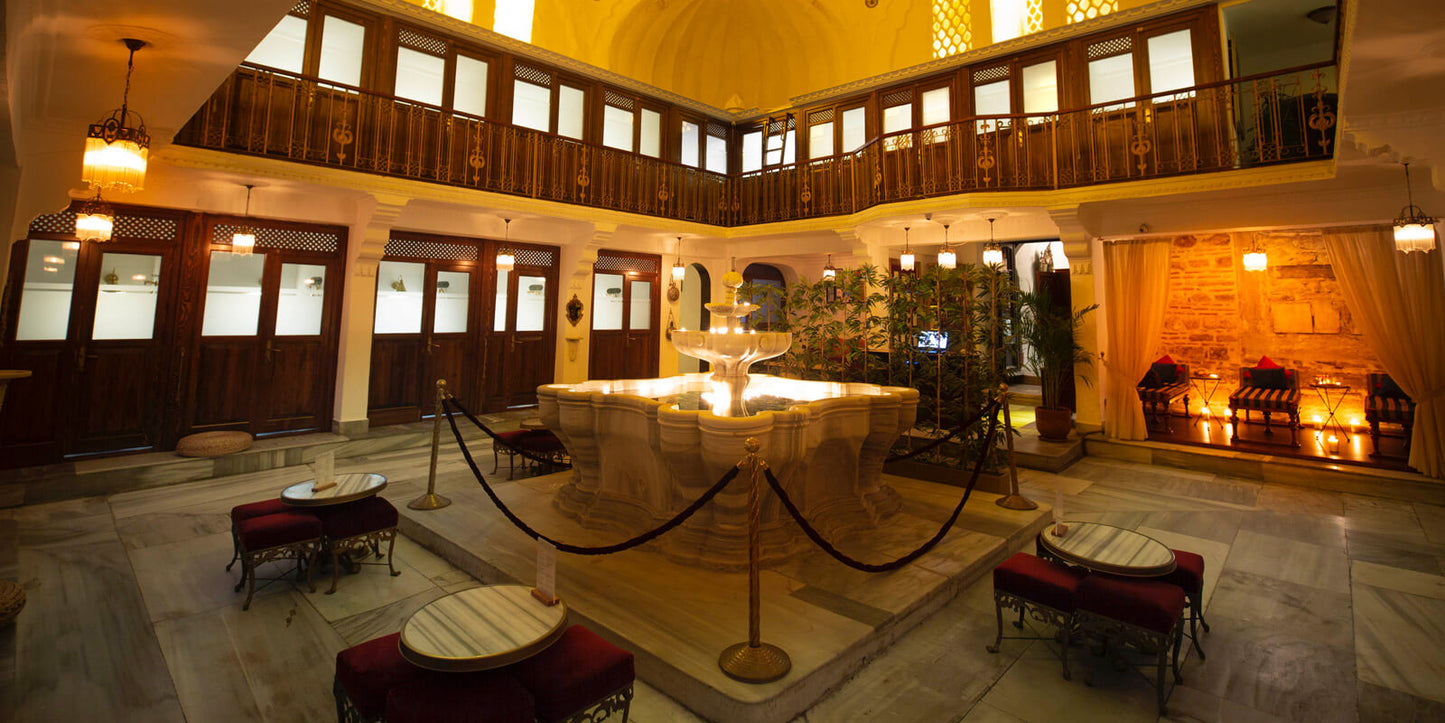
1268 119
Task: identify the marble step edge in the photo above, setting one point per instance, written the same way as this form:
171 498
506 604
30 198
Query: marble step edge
1352 479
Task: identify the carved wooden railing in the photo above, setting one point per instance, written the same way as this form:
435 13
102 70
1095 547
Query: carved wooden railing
1268 119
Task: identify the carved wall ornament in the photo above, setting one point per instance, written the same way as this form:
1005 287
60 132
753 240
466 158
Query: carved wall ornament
574 310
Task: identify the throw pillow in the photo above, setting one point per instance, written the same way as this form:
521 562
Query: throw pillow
1272 378
1266 363
1388 388
1165 373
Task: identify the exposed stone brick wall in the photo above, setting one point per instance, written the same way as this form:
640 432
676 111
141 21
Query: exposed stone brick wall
1221 317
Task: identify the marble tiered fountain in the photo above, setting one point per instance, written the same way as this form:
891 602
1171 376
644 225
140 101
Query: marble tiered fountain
644 449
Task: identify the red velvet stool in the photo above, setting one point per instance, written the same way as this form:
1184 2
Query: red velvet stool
580 677
508 442
1043 588
354 526
282 536
247 511
1145 613
365 673
491 696
1189 576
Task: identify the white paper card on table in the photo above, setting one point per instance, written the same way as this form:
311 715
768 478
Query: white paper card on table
325 471
546 589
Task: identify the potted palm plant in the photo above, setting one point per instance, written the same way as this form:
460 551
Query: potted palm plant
1052 352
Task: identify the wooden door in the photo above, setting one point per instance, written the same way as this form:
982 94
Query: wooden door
451 347
625 296
521 338
297 374
399 345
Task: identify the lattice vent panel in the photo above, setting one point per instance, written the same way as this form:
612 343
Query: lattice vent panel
898 97
142 227
1077 11
626 263
821 116
990 74
62 223
1111 47
535 257
431 250
717 129
418 41
280 238
952 27
302 8
533 75
618 100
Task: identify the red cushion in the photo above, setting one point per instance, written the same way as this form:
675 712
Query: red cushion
257 509
367 672
1148 604
576 672
1166 359
1188 571
1039 580
1266 363
283 528
540 441
514 435
491 696
357 518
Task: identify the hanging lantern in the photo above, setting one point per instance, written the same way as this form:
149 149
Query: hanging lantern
947 258
116 153
830 273
505 260
243 241
906 259
993 252
94 220
1414 231
679 272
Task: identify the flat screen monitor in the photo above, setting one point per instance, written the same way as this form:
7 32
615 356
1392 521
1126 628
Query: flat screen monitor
933 340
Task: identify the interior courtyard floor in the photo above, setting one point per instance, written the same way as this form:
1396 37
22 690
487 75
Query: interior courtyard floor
1323 606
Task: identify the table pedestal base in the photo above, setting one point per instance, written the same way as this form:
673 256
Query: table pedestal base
762 663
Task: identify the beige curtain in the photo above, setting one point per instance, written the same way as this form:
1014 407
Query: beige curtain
1136 290
1398 302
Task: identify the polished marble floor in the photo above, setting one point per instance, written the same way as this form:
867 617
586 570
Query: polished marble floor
1324 607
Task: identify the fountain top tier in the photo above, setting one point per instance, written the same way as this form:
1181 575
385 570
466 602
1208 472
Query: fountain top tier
729 350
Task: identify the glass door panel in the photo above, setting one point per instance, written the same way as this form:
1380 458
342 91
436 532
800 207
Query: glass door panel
504 291
452 296
531 303
300 301
233 294
607 302
45 297
399 297
126 305
641 317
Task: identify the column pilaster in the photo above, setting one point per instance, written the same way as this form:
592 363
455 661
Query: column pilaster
375 217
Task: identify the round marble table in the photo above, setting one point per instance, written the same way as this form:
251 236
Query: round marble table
481 628
1106 548
349 488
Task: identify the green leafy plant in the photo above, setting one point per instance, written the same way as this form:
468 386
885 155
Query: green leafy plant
1051 339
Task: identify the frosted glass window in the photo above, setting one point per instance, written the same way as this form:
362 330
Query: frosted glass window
570 114
896 119
452 299
782 149
284 48
531 106
1041 88
717 154
126 306
1171 62
499 308
616 128
690 144
342 46
398 297
513 18
992 99
650 132
45 300
1010 19
469 95
607 302
531 303
854 129
233 294
419 76
752 159
820 140
1111 79
299 304
641 316
936 110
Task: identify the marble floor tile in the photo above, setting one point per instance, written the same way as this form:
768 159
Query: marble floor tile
1214 553
1432 521
1400 641
1296 610
181 579
649 705
1189 704
1381 516
1219 527
1300 500
1379 704
984 713
1301 562
370 588
163 528
383 620
209 677
1327 530
288 654
1399 580
1393 551
1115 696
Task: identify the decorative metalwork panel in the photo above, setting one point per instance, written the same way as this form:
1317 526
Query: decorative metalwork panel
535 257
617 99
997 72
820 116
280 238
419 41
302 8
898 97
62 223
1077 11
715 128
431 249
147 227
952 27
1104 49
533 75
625 263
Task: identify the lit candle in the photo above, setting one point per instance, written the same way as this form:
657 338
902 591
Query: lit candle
1354 424
1318 421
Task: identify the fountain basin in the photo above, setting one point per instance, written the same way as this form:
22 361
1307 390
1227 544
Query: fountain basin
638 459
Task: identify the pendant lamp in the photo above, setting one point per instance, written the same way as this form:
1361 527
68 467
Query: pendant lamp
94 220
993 252
506 261
906 259
243 241
116 152
1414 231
947 258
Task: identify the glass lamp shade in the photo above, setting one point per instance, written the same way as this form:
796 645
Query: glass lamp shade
948 259
118 165
94 224
830 273
1411 237
679 272
1256 261
993 255
243 243
906 261
506 261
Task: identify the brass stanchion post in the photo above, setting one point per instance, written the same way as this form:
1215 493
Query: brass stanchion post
1013 500
754 661
431 500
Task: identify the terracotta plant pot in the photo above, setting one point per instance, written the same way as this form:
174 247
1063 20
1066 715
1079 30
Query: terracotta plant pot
1054 424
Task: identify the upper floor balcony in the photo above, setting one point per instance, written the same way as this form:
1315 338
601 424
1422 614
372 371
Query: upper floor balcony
1274 118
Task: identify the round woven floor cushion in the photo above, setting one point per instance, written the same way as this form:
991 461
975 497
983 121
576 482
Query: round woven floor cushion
12 599
213 444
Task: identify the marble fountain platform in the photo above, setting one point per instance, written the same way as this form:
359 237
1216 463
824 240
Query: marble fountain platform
677 618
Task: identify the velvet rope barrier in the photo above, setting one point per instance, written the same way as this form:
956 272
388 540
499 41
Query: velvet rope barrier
641 539
910 557
498 440
987 409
